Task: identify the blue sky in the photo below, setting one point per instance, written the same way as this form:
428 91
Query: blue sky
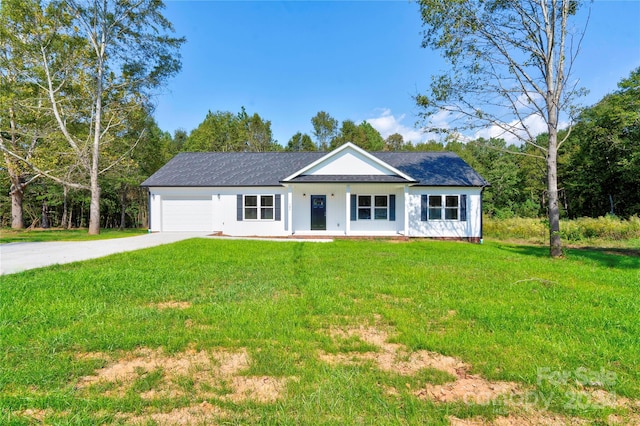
357 60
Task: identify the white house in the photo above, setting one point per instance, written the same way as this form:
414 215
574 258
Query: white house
346 192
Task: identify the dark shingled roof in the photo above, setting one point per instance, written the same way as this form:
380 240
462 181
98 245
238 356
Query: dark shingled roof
270 168
433 168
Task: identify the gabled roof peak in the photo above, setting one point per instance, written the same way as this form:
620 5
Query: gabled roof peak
361 155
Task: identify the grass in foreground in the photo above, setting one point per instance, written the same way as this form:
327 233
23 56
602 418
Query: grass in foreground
37 235
300 333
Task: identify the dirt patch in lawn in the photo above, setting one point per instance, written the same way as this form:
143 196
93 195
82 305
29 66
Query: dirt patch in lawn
464 387
392 357
396 358
35 414
263 389
529 419
472 389
154 374
171 304
199 414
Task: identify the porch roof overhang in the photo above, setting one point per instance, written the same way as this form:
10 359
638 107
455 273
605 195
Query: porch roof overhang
349 179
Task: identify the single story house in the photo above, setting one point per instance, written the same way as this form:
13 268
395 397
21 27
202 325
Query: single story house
346 192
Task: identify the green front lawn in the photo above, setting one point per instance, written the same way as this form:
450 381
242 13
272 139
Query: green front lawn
239 332
36 235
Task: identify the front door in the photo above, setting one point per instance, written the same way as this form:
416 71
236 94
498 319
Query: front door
318 212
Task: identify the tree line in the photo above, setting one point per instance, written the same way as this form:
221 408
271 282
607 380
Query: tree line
599 166
77 133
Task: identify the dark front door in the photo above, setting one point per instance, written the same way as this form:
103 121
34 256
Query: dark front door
318 212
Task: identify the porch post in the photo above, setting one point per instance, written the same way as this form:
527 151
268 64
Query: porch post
290 209
406 210
347 219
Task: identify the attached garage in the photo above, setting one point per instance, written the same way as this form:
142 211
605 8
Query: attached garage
192 214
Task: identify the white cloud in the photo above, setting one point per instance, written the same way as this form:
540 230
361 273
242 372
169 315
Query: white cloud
387 124
534 124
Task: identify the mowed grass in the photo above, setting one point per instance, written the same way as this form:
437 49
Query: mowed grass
555 327
36 235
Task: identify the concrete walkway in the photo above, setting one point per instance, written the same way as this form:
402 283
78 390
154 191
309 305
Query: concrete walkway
16 257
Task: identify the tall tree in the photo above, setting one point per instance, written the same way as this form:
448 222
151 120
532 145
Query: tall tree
510 66
300 142
349 132
219 131
371 140
224 131
325 129
604 168
22 127
394 142
99 60
179 138
257 133
362 135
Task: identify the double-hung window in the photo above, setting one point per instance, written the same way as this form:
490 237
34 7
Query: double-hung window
444 207
258 207
364 207
381 207
373 207
435 207
451 207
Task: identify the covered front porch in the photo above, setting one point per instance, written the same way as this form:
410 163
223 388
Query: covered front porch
347 209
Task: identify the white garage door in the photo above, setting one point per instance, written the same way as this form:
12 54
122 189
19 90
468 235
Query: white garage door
187 214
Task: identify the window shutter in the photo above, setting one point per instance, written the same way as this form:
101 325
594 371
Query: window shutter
424 207
354 207
239 208
392 207
463 207
277 207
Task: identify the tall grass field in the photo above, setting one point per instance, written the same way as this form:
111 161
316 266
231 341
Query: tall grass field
581 231
211 331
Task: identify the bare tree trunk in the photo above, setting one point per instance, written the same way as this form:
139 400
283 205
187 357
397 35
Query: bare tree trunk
45 215
123 207
94 210
65 195
17 187
70 222
555 244
94 207
554 76
17 195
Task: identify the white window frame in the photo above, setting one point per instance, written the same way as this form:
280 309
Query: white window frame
372 206
259 207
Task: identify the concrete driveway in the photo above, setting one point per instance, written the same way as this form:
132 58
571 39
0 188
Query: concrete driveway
16 257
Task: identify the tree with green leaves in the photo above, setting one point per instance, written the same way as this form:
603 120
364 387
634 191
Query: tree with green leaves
348 132
219 131
394 142
362 135
300 142
97 62
325 129
257 133
604 167
22 124
224 131
370 139
510 64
